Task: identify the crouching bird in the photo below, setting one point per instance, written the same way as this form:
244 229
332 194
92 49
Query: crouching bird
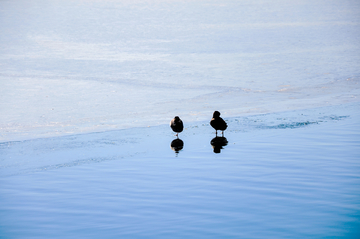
218 123
177 125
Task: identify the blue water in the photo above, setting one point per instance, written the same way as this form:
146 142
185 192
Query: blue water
293 174
88 88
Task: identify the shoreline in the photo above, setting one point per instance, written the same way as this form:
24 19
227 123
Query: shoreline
81 149
245 115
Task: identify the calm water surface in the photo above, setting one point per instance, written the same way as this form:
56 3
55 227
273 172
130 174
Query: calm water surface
292 174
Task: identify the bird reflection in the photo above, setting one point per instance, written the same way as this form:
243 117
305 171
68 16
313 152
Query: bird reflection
177 145
218 143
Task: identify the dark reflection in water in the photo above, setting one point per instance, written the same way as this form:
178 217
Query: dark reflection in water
177 145
218 143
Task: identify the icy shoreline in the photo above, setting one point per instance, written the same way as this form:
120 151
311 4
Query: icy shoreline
191 110
139 140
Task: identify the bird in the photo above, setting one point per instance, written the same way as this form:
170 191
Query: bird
218 123
177 125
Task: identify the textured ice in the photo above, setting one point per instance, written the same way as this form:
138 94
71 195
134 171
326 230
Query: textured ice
88 66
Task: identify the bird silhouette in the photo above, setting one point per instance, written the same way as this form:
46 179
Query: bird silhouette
177 145
218 143
218 123
177 125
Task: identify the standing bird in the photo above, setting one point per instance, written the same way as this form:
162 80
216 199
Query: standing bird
218 123
177 125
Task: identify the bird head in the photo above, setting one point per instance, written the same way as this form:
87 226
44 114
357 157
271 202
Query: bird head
216 114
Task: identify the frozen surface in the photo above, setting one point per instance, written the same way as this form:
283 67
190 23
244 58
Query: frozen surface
89 66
